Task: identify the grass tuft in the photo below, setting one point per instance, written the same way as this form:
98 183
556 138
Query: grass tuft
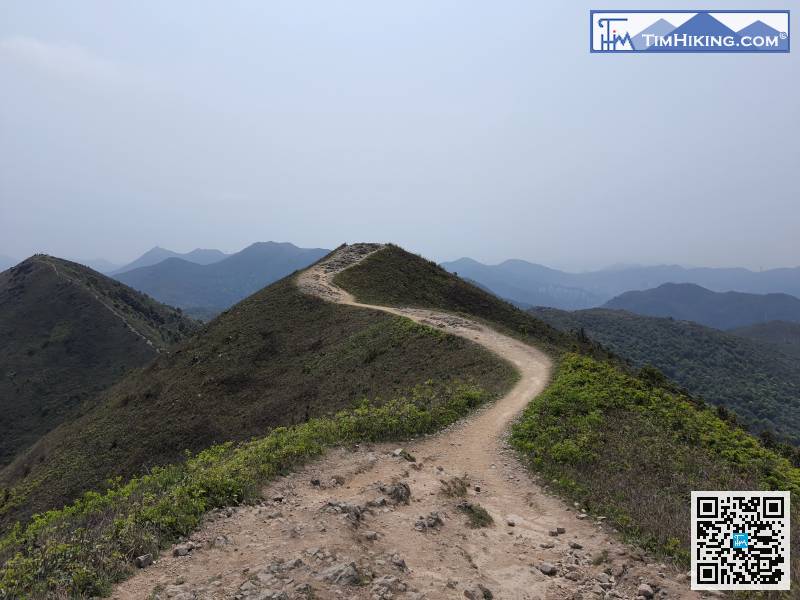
477 516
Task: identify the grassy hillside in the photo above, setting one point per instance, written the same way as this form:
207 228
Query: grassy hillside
58 555
780 334
395 277
722 310
67 332
629 449
278 358
759 383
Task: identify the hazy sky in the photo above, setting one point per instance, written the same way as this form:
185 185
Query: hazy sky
453 128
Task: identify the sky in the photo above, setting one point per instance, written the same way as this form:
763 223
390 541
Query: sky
453 128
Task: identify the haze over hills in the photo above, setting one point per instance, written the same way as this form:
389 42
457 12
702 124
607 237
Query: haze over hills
530 284
780 334
757 381
526 284
6 262
67 332
691 302
200 256
217 286
101 265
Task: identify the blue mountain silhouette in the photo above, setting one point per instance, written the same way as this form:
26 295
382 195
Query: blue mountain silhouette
660 28
703 24
762 29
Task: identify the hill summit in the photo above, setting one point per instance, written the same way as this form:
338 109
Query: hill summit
722 310
68 332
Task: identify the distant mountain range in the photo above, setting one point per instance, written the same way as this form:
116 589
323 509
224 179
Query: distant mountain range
690 302
759 382
206 289
199 256
67 332
529 284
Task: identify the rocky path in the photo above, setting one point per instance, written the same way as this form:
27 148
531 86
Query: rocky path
380 522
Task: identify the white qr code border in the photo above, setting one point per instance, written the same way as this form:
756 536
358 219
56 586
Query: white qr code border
702 557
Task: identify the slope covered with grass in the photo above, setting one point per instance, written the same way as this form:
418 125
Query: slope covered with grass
632 450
758 382
67 332
81 550
395 277
278 358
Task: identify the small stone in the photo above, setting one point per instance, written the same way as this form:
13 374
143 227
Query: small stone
182 549
511 523
576 546
342 574
547 568
560 530
370 535
398 562
144 561
645 590
399 492
552 533
478 592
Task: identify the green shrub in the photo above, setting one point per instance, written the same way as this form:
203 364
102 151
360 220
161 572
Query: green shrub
632 450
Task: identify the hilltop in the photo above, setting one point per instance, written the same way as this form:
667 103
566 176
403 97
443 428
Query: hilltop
157 254
278 358
691 302
759 383
68 332
205 289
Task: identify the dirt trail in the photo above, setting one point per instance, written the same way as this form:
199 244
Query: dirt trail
336 529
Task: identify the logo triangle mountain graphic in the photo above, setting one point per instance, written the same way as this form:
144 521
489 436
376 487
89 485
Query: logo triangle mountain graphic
698 31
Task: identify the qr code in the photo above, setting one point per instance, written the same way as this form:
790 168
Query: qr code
740 540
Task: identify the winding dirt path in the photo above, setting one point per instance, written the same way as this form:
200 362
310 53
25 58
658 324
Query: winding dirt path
333 530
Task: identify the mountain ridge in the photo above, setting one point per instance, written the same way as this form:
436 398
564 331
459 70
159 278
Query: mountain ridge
68 332
219 285
722 310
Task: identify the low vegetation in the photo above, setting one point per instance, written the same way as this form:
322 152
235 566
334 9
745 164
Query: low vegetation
278 358
477 516
782 335
83 548
395 277
757 382
632 449
66 333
